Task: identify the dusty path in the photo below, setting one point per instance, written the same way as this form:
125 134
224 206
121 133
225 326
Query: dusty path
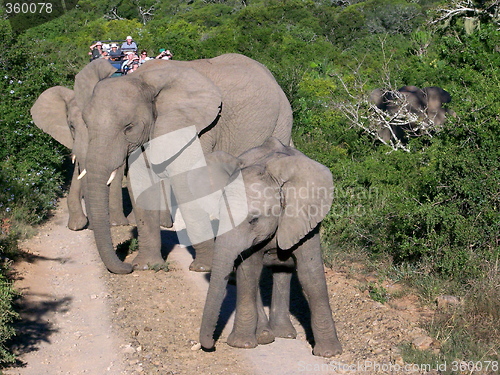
66 326
80 319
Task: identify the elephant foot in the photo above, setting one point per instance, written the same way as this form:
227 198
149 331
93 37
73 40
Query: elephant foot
166 219
242 341
142 262
204 254
118 220
265 336
284 329
199 265
131 219
77 222
328 348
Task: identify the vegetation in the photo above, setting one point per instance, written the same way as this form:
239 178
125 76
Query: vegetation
431 214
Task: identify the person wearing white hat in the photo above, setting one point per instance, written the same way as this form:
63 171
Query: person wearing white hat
95 51
115 54
129 45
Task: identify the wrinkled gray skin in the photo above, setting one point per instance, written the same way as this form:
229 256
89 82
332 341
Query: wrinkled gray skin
57 114
426 103
287 195
234 102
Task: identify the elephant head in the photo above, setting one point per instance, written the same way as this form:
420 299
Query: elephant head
57 113
286 196
414 110
435 98
123 113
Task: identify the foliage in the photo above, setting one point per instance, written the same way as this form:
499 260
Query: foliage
7 316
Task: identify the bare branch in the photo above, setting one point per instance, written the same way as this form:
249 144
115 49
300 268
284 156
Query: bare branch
469 9
113 15
146 15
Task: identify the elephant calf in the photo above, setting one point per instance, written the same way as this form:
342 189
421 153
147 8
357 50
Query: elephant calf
276 215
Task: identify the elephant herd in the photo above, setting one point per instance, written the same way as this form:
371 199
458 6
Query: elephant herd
209 139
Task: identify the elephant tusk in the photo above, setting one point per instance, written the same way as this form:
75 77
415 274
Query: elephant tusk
73 158
111 177
80 176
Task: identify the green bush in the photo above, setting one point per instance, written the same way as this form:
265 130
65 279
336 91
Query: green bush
7 316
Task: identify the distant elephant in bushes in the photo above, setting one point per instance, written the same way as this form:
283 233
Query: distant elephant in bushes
229 103
287 196
416 111
56 113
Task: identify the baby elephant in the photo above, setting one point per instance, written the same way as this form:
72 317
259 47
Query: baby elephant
275 216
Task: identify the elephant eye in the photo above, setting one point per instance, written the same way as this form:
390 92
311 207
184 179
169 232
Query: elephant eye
254 220
128 128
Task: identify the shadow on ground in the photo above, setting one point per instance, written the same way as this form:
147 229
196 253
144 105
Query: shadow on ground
35 311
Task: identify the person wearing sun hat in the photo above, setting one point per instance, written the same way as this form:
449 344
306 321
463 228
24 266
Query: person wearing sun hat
115 54
95 51
129 45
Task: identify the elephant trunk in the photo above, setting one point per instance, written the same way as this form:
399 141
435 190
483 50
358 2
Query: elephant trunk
222 266
98 205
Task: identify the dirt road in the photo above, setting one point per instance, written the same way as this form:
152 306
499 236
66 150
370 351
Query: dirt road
80 319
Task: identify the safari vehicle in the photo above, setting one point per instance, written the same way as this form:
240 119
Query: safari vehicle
115 61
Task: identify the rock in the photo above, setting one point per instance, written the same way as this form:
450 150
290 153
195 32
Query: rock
196 347
128 349
422 342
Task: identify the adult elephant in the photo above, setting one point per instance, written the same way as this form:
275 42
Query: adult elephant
57 114
415 111
231 102
286 196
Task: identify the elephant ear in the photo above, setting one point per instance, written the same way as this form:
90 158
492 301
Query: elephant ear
436 96
184 97
51 111
88 77
307 188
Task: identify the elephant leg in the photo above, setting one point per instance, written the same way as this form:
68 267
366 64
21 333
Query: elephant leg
77 219
311 274
131 215
279 316
204 253
244 330
166 218
199 230
265 334
116 215
149 238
